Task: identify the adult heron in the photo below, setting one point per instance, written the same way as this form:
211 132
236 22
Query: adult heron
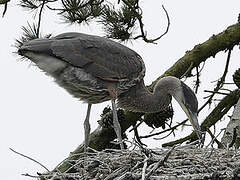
96 69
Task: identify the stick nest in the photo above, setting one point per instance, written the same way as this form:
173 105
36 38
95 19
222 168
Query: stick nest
178 163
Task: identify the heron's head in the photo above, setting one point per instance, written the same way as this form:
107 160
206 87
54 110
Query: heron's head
184 96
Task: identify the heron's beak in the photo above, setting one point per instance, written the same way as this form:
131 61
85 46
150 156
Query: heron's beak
194 121
192 116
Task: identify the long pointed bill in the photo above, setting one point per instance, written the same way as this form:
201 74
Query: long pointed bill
192 118
194 121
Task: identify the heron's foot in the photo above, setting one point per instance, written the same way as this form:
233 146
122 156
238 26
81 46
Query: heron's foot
118 131
119 136
201 138
116 124
116 145
86 145
86 139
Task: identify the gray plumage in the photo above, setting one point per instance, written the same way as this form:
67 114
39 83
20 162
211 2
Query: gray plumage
95 69
88 66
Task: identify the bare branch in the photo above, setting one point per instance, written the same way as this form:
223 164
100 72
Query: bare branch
168 25
219 83
170 129
5 3
40 18
143 33
30 159
214 139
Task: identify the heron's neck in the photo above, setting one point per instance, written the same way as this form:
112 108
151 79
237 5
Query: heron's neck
139 99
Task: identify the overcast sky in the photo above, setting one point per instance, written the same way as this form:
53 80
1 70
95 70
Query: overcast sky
43 121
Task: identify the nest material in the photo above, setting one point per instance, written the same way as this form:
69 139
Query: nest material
179 163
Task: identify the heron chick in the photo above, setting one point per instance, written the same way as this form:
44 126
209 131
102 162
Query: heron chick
95 69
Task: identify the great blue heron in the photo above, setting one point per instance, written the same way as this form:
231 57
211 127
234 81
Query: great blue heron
96 69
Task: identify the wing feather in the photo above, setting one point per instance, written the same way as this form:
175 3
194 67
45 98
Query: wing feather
97 55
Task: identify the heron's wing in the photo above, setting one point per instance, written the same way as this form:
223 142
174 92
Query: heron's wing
99 56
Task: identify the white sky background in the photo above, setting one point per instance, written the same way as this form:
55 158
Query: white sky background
41 120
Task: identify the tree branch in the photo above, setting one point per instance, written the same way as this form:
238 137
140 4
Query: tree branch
5 3
143 34
40 18
30 159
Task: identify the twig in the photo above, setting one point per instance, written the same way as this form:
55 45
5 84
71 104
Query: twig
144 168
115 173
40 18
220 145
30 159
220 82
29 175
214 92
138 138
224 89
168 25
125 176
188 70
160 163
137 165
143 34
197 83
5 8
165 135
170 129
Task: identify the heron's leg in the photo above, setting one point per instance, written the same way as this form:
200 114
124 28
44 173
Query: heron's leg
87 128
116 124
